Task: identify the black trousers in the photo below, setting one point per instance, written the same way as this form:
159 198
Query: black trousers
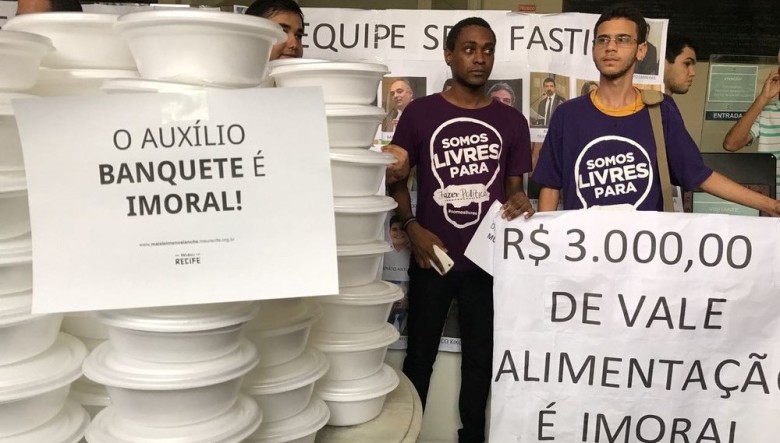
430 296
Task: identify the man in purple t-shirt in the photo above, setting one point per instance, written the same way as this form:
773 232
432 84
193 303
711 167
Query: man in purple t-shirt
599 149
469 151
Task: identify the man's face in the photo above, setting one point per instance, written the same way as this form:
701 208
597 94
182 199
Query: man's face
471 61
549 88
615 60
293 26
678 76
401 94
397 234
503 96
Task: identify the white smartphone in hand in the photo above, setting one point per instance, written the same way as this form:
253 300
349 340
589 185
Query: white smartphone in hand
445 260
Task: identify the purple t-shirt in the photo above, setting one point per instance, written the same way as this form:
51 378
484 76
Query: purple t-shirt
601 160
463 157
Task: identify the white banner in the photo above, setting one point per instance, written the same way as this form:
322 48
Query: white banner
530 48
166 199
634 327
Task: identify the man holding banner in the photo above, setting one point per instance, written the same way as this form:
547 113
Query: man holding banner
470 151
600 149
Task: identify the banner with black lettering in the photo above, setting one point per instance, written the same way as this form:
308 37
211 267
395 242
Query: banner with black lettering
634 327
140 200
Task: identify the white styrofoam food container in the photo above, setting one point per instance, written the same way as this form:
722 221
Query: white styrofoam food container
239 421
353 402
353 356
203 47
178 333
82 40
299 428
22 334
341 82
14 210
60 82
68 426
21 53
284 339
11 159
360 264
352 126
15 265
170 394
34 391
285 390
358 173
358 309
361 220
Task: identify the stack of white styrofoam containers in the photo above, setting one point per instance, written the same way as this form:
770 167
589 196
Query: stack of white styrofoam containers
37 363
175 373
87 52
353 332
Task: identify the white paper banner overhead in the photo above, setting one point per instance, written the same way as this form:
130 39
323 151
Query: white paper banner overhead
132 208
635 327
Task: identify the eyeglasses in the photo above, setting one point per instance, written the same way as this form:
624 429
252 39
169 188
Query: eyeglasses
620 40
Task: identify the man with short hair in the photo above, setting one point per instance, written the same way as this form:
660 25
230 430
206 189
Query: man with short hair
549 103
600 149
502 92
762 121
399 95
288 15
469 151
680 66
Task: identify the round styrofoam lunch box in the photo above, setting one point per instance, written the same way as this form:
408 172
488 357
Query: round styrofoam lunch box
91 396
34 390
60 82
360 264
21 53
341 82
236 423
170 394
11 159
14 210
353 402
15 265
133 85
353 356
299 428
352 126
285 339
22 334
274 311
285 390
82 40
361 220
68 426
178 333
198 46
358 172
358 309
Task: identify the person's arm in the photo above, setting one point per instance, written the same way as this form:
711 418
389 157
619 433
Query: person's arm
548 199
421 239
517 202
398 171
739 135
721 186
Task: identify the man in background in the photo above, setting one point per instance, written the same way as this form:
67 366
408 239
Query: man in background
549 102
502 92
761 121
288 15
399 96
680 67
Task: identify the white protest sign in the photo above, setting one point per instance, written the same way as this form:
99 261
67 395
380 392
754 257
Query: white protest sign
131 207
636 327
